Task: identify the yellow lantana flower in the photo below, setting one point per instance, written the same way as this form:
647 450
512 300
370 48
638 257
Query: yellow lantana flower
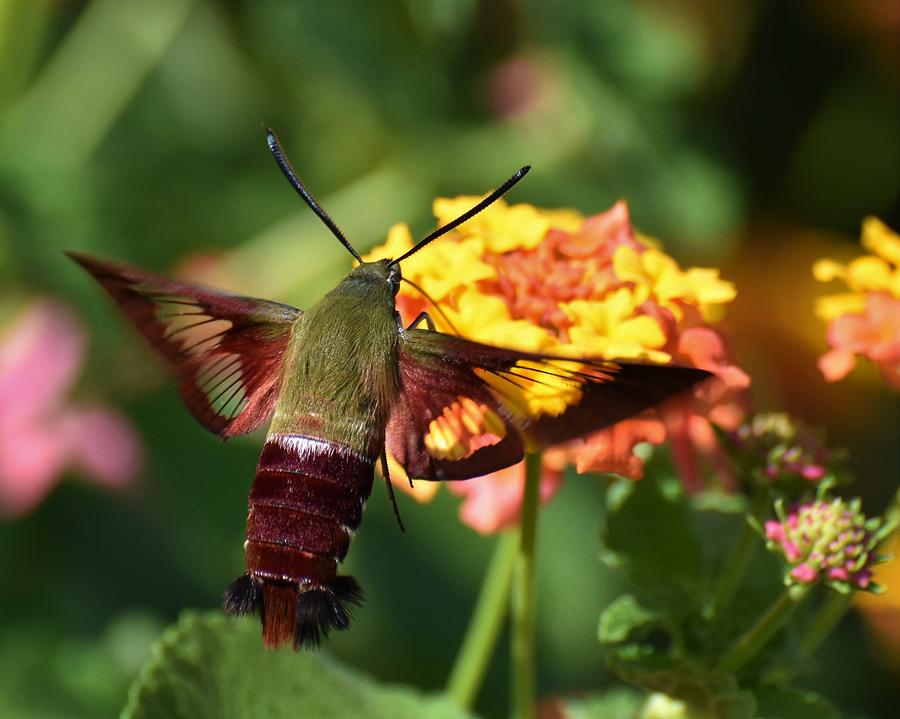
503 227
661 277
878 272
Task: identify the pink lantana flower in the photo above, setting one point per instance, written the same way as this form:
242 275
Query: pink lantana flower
42 434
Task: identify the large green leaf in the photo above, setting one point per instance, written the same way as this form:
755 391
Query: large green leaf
625 616
709 693
210 667
649 533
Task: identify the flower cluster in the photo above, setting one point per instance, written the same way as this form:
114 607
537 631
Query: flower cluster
827 541
780 448
42 434
555 282
865 321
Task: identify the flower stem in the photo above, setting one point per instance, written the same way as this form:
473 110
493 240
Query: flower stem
825 621
738 561
892 514
523 605
755 638
484 627
52 111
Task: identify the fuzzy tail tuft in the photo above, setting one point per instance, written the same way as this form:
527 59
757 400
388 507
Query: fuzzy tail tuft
243 596
321 609
301 617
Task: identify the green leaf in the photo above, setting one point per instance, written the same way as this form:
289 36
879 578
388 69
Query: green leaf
791 703
208 666
649 533
709 693
623 617
47 673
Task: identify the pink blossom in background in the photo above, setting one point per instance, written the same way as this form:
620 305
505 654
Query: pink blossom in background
863 321
42 434
516 87
493 502
874 334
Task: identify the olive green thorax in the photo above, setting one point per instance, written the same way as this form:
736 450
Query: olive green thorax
340 371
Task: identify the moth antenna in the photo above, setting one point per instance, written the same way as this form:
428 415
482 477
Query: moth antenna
390 488
468 214
434 304
285 164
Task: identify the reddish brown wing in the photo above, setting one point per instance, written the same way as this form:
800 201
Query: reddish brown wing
227 350
578 397
433 391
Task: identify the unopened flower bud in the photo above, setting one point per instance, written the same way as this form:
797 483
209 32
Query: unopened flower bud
779 448
826 541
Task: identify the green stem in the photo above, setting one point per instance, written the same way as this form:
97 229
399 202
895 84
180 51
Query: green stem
748 646
92 76
825 621
523 605
481 636
738 561
23 27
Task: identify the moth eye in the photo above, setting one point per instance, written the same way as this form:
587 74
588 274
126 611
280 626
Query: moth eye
394 279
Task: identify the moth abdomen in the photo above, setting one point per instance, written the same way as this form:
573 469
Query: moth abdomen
305 505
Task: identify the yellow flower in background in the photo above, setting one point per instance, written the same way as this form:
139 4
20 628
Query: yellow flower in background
878 272
556 282
864 322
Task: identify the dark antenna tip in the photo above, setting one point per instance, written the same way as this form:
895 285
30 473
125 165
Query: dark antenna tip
468 214
288 170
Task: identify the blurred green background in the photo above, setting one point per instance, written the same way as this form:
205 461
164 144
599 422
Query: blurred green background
747 134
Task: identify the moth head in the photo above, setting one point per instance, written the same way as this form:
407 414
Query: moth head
379 273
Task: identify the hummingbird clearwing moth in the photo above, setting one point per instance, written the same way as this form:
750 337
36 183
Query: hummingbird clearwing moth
344 383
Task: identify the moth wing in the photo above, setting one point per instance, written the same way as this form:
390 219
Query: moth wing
446 424
226 350
536 400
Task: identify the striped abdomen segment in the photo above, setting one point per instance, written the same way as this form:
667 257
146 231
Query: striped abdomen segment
305 504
